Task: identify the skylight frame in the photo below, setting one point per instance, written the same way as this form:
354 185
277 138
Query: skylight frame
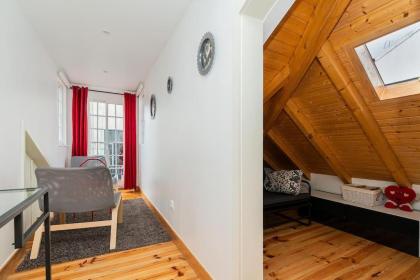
400 88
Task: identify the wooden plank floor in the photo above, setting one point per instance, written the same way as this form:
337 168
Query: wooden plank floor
159 261
318 252
291 251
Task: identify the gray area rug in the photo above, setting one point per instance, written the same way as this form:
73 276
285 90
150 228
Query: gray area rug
139 228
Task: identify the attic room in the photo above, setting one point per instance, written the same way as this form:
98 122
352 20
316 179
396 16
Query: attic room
341 104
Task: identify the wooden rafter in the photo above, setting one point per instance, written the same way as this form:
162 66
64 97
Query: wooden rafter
281 143
318 141
276 83
360 110
326 15
271 161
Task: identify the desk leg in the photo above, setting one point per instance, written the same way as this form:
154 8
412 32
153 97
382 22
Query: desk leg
47 241
19 231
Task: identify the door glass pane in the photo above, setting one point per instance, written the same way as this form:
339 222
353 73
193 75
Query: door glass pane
93 108
101 109
101 123
101 149
120 123
111 123
120 111
93 121
119 135
94 148
101 135
93 135
111 109
119 149
120 160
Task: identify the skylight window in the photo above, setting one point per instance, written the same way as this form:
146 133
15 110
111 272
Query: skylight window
393 60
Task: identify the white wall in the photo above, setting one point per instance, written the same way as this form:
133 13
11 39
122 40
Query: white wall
188 152
27 93
195 152
276 14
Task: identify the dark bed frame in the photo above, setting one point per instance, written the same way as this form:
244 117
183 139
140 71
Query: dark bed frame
277 203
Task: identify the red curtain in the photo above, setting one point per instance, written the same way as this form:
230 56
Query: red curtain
79 121
130 141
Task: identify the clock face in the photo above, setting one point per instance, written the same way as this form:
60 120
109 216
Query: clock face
153 106
205 56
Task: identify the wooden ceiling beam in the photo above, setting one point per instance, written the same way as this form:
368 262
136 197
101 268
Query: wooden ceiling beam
276 83
282 144
318 141
271 161
360 110
326 15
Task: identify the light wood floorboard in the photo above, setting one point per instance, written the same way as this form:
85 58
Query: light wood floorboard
318 252
158 262
291 252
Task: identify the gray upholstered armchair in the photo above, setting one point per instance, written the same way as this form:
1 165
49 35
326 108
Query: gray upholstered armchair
75 190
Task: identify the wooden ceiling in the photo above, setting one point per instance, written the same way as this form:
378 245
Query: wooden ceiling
321 110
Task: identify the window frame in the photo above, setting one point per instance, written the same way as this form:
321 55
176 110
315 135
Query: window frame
61 113
372 75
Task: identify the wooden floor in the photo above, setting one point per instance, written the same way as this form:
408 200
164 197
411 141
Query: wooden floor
159 261
319 252
291 251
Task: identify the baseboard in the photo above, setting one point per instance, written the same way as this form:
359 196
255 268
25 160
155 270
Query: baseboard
192 260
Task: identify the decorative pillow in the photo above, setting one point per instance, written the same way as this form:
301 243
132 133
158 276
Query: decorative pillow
284 181
267 172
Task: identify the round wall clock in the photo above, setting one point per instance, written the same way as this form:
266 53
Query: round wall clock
206 52
153 106
169 85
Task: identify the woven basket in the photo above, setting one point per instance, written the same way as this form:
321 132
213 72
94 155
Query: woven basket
368 196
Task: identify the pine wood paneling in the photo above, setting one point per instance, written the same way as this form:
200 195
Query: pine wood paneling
325 17
360 111
275 157
318 99
289 150
281 46
398 119
301 146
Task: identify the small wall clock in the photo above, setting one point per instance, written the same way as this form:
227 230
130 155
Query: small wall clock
205 55
153 106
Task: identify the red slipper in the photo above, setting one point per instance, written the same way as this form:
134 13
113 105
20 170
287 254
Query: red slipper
406 207
391 204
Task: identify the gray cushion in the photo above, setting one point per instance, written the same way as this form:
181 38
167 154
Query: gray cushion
75 190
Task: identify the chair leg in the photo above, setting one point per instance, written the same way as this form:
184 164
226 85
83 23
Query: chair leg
120 213
36 244
62 218
114 224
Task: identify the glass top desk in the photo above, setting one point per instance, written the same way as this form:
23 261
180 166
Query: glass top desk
12 204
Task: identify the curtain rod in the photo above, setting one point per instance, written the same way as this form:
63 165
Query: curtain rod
101 91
